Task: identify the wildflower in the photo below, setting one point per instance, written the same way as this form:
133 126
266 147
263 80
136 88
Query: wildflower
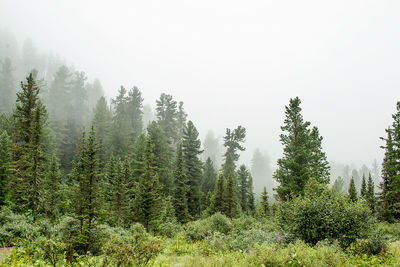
274 249
278 239
397 243
250 252
318 244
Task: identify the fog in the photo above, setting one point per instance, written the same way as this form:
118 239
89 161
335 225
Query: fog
237 62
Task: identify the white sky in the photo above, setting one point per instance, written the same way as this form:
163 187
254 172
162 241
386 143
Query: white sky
237 62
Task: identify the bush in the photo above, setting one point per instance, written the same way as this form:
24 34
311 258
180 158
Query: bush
373 245
200 229
324 214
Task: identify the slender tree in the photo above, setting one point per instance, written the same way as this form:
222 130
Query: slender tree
180 188
264 202
231 204
52 195
217 199
209 177
352 191
363 191
7 90
5 161
370 196
167 117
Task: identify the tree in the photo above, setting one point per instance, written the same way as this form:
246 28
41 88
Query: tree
5 162
135 112
232 142
181 119
193 167
302 154
148 203
180 188
94 93
167 117
363 191
250 201
264 202
230 199
86 191
7 90
52 195
120 193
209 177
28 167
370 196
338 185
352 191
261 171
102 123
243 187
217 199
212 149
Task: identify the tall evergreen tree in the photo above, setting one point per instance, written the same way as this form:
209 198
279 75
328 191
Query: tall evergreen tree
7 90
231 204
264 202
339 184
181 119
243 187
251 207
28 168
86 190
120 193
102 123
209 177
352 191
180 188
363 191
193 167
217 199
232 142
5 161
167 117
302 154
370 196
135 112
148 203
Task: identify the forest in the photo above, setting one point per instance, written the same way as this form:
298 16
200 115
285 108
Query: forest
91 181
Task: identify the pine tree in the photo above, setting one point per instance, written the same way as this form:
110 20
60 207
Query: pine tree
209 177
52 195
363 191
163 153
28 167
167 117
370 195
232 142
180 188
181 119
217 199
302 157
352 191
5 161
251 207
102 123
135 113
243 187
7 90
86 191
148 203
231 204
120 193
264 202
193 168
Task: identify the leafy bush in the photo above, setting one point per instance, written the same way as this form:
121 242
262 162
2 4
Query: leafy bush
373 245
324 214
200 229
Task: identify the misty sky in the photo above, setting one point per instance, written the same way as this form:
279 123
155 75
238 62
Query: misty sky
237 62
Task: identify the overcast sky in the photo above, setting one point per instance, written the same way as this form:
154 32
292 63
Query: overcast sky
237 62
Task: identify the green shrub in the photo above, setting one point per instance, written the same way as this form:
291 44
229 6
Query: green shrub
324 214
373 245
200 229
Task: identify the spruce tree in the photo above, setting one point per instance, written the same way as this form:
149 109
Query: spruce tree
302 154
339 184
217 199
370 196
209 177
102 123
5 162
86 195
135 113
120 193
243 187
363 191
193 167
167 117
232 142
231 204
251 207
181 119
148 203
264 202
180 188
352 191
28 167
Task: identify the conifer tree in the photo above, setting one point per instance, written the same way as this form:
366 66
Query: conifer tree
52 195
167 117
102 123
302 157
148 203
243 187
209 177
135 113
231 204
363 191
120 193
352 191
264 202
180 188
181 119
217 199
28 167
339 184
193 168
251 207
5 161
370 196
232 142
86 192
